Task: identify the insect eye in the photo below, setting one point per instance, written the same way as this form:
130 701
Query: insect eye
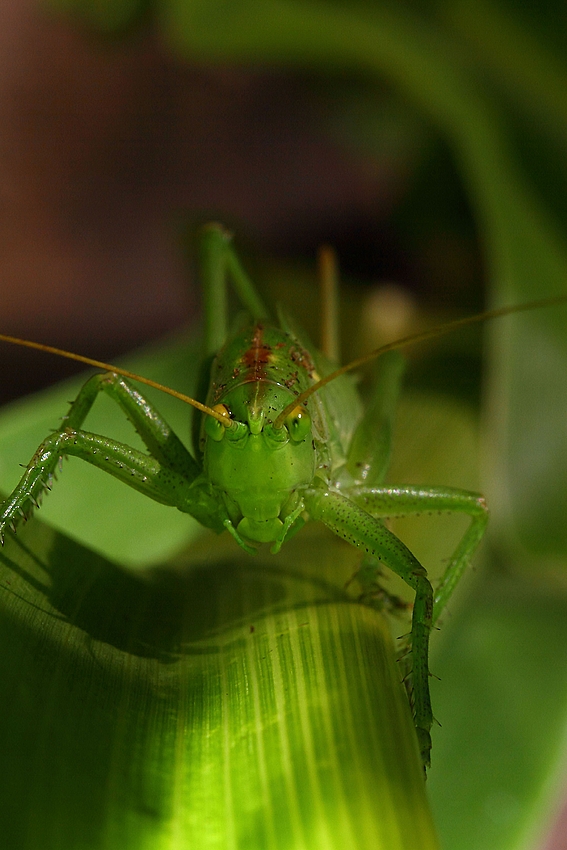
298 423
215 429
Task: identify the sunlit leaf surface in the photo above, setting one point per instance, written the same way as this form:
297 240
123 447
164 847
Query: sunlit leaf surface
221 702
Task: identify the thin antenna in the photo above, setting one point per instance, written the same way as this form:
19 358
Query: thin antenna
439 330
109 367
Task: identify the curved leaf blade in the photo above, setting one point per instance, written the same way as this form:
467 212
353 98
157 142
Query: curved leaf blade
222 703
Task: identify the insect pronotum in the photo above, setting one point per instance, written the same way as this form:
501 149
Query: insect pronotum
283 438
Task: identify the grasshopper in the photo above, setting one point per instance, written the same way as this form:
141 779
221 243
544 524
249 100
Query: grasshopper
282 438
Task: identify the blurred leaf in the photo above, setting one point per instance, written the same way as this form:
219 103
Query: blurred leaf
533 72
502 702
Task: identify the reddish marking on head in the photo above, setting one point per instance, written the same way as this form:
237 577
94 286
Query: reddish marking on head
258 356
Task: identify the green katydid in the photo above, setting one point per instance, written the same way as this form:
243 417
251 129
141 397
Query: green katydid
282 438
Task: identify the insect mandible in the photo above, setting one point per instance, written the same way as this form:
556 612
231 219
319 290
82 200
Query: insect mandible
282 438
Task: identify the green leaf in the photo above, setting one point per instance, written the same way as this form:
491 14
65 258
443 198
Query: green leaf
502 703
221 702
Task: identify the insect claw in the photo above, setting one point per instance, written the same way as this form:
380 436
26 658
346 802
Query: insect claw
13 525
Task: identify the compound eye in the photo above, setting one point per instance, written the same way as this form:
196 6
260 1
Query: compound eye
298 424
215 429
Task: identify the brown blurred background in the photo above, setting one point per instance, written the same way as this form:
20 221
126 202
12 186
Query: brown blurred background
112 152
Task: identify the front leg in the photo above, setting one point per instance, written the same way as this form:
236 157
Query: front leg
358 527
156 434
388 502
168 474
144 473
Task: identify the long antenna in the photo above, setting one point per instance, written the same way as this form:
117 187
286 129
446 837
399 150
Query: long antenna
109 367
438 330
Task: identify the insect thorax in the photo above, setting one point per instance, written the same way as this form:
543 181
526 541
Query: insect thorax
261 352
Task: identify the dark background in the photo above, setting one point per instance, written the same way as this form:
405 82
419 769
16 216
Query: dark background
113 151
